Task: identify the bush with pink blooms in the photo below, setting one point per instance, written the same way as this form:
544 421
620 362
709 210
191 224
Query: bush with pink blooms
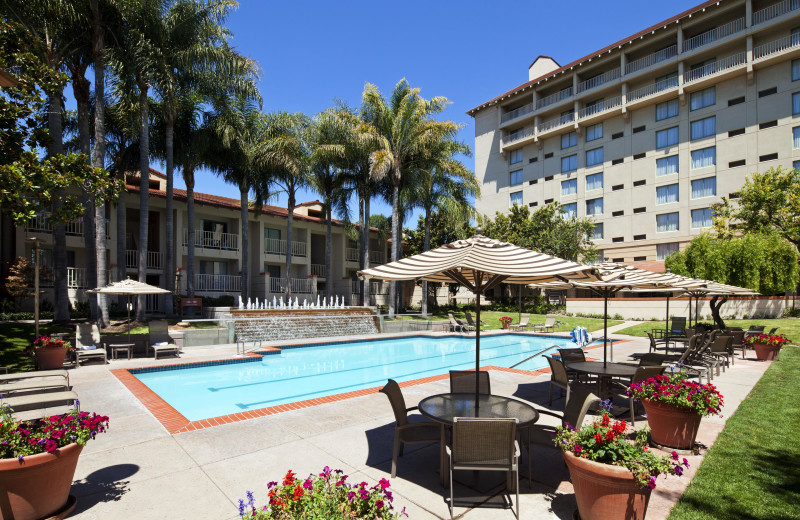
676 390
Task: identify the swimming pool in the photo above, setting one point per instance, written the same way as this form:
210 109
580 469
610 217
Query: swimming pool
308 372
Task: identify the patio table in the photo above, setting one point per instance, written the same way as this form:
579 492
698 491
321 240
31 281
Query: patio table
443 408
604 372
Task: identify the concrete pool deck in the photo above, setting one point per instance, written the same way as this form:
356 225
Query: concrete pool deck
138 469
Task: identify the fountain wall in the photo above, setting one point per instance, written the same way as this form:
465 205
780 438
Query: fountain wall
281 324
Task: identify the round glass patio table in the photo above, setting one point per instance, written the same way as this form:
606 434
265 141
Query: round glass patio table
443 408
603 372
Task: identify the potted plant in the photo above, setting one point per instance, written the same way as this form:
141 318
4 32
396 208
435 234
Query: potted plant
612 476
766 346
38 459
505 321
327 495
674 407
49 353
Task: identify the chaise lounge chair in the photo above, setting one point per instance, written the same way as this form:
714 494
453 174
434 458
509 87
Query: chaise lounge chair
523 322
549 323
87 344
36 406
159 340
21 376
454 325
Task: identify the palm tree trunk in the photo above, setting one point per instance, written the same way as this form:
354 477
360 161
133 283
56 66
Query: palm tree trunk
426 246
328 244
243 191
361 258
98 159
395 236
188 178
122 256
54 124
169 266
365 231
289 222
144 194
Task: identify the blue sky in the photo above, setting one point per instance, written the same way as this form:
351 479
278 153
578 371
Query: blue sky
314 52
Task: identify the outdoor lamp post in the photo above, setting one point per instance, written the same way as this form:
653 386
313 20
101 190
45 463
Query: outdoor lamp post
35 241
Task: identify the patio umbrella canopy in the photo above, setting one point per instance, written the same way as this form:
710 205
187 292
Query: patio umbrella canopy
479 264
129 288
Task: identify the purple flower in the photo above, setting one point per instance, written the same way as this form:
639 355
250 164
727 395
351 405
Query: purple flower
308 484
20 458
251 500
606 405
678 470
685 462
652 483
271 485
674 455
241 508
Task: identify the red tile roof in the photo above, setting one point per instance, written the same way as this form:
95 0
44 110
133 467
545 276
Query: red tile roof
595 54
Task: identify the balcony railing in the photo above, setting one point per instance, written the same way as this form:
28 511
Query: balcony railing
76 277
717 33
731 62
274 246
517 136
556 123
351 254
650 90
213 240
776 46
553 98
298 285
39 224
377 257
319 270
602 106
155 260
652 59
596 81
775 10
217 283
517 112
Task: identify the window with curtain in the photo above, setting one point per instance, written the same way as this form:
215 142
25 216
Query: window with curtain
594 157
569 187
515 156
796 103
664 250
667 109
594 206
594 132
705 157
515 198
597 232
516 177
703 98
701 218
569 140
667 194
594 181
667 137
570 210
569 163
796 137
667 222
795 70
667 165
704 187
705 127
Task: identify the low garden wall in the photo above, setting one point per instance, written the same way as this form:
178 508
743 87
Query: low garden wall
655 308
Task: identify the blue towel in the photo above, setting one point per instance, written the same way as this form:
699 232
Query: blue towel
88 347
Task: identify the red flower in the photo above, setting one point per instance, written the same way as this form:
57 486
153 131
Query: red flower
598 438
289 478
298 493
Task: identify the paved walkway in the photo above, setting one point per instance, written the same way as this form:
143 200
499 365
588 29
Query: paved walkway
138 470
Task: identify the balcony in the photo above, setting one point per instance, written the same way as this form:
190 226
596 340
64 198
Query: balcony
76 277
651 59
600 107
217 283
525 133
377 257
375 287
774 11
554 98
776 47
556 123
155 260
298 285
517 112
213 240
712 69
319 270
351 254
274 246
598 80
40 224
651 90
712 35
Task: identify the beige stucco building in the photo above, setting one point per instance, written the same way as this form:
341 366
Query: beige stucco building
644 135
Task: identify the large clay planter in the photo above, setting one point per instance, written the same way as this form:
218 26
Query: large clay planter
604 491
671 426
766 352
50 358
505 325
38 486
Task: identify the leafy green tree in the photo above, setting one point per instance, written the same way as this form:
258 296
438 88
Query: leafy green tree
443 230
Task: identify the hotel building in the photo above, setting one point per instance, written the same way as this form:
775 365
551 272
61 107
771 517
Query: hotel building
645 134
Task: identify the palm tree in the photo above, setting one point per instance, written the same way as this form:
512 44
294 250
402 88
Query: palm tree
404 127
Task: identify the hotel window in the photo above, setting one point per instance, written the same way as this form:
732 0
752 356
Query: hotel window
594 206
594 182
570 210
664 250
704 157
667 137
796 137
515 198
704 187
667 109
796 103
515 157
594 132
703 98
667 80
594 106
569 140
594 157
516 177
597 233
667 194
273 270
569 163
795 165
567 115
704 128
667 222
569 187
667 165
701 218
795 70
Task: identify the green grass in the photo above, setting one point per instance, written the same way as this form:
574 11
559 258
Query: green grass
753 470
492 320
788 326
15 337
142 329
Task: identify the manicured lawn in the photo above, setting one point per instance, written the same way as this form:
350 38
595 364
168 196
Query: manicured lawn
753 470
142 329
15 337
788 326
491 320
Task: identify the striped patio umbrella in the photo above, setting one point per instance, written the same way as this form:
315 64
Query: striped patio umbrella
479 264
128 288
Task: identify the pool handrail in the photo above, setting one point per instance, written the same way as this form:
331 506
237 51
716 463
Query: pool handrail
533 356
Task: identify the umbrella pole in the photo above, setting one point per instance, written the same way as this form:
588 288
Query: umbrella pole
690 310
667 328
477 346
128 306
605 325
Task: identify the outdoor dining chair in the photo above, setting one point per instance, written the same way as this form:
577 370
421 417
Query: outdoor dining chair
722 349
574 355
481 444
558 377
405 432
617 388
463 382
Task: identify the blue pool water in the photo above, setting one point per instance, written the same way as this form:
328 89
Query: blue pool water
297 374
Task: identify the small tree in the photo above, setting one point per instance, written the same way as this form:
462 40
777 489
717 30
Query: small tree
20 280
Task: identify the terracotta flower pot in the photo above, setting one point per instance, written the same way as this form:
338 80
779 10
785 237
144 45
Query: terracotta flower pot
38 486
604 491
506 325
766 352
671 426
50 358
